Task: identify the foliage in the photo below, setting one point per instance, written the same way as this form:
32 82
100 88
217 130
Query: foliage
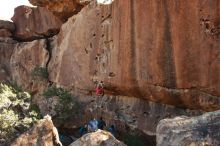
133 140
67 107
15 113
39 73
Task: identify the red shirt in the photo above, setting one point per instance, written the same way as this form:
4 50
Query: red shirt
99 90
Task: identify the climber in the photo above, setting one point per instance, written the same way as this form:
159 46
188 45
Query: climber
83 130
93 125
99 89
101 123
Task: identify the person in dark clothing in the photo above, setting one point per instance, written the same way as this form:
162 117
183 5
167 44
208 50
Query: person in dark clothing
101 124
112 130
83 130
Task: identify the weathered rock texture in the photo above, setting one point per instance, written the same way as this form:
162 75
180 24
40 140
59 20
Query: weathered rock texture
98 138
163 51
34 23
6 49
25 58
7 25
43 134
185 131
62 8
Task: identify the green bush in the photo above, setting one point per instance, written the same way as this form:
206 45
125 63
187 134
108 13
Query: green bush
68 106
40 73
16 116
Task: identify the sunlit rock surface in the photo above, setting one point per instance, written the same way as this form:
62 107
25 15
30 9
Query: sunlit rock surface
25 58
185 131
98 138
62 8
34 23
43 134
143 49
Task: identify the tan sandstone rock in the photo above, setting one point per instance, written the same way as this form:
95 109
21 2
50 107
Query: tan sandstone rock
34 23
185 131
163 51
98 138
43 134
25 58
62 8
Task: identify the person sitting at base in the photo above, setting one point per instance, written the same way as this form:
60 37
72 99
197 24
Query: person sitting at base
112 130
83 130
93 125
101 123
99 89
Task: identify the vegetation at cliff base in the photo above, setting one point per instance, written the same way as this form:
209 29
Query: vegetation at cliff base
67 106
16 114
40 73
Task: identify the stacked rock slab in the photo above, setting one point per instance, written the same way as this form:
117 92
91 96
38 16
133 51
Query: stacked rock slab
6 28
185 131
34 23
62 8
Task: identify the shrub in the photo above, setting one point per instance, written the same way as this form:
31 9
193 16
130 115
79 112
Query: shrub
15 113
68 106
39 73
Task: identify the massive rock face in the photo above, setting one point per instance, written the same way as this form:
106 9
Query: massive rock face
62 8
35 23
25 58
185 131
144 49
98 138
43 133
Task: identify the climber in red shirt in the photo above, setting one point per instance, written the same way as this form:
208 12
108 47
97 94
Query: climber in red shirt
99 89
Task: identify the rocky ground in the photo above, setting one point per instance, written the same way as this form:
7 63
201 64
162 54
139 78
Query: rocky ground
157 60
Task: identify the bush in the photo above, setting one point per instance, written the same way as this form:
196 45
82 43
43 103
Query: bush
15 113
68 106
40 73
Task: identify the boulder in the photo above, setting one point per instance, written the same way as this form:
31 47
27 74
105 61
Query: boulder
184 131
34 23
26 58
98 138
43 134
62 8
7 25
5 33
143 49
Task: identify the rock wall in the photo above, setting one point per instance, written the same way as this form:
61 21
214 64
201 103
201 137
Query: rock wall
127 113
161 51
185 131
25 58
